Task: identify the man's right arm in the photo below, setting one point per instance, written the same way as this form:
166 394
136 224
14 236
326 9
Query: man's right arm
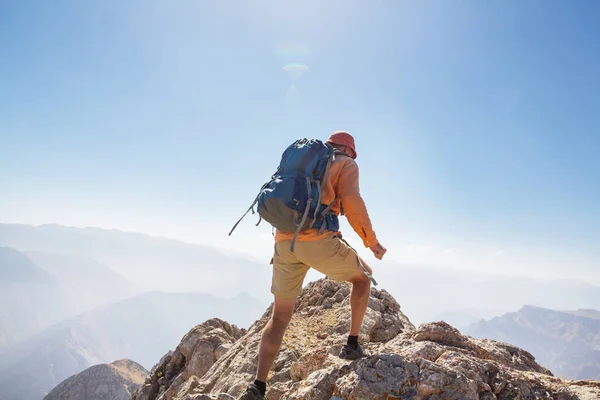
354 205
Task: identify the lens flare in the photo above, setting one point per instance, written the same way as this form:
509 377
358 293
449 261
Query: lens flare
295 70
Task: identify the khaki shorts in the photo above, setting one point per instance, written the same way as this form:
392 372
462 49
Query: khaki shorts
331 256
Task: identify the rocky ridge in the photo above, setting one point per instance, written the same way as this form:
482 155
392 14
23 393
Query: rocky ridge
435 361
115 381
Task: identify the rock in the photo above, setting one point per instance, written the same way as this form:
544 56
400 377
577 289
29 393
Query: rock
115 381
384 376
179 371
307 364
433 362
232 373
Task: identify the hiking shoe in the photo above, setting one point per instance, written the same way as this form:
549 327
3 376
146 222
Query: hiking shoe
352 353
252 393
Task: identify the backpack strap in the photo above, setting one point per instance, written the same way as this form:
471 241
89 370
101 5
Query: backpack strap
304 217
326 212
318 204
240 220
321 187
249 209
330 206
360 263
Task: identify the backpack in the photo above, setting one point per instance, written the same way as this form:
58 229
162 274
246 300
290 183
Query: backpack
291 200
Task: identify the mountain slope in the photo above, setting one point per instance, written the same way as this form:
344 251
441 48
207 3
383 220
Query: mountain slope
29 297
16 268
140 328
114 381
40 289
434 361
86 280
567 342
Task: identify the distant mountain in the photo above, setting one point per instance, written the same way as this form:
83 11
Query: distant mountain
430 293
16 268
40 289
566 342
462 319
114 381
149 262
87 281
29 297
141 328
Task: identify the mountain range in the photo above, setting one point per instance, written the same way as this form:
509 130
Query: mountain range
566 342
426 292
462 297
65 304
150 263
141 328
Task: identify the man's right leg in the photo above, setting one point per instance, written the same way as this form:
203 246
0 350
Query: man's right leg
359 298
334 257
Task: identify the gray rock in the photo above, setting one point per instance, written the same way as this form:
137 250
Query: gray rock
177 375
115 381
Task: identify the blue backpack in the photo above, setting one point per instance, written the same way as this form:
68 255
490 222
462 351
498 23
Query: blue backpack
291 200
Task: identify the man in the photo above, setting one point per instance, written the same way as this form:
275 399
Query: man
327 253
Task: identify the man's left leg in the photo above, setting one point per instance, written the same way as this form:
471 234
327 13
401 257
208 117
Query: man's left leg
272 335
270 343
287 280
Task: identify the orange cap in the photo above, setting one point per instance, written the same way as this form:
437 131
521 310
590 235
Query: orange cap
344 139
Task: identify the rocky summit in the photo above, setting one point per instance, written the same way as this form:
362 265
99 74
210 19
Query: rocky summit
216 360
115 381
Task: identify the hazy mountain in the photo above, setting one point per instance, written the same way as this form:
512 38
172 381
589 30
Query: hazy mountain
40 289
426 292
86 280
141 328
566 342
29 297
114 381
462 319
149 262
16 268
429 293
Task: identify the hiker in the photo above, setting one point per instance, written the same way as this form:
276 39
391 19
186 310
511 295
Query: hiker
327 253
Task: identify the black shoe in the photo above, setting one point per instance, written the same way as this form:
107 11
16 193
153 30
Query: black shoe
252 393
349 352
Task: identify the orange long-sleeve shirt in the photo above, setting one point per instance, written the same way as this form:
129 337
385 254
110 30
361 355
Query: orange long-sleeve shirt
342 182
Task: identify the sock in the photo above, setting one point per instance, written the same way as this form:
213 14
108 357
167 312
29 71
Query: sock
353 341
262 386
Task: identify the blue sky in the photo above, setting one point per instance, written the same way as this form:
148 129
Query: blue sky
477 123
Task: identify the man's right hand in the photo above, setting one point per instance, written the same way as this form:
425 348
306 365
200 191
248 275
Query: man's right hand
378 250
